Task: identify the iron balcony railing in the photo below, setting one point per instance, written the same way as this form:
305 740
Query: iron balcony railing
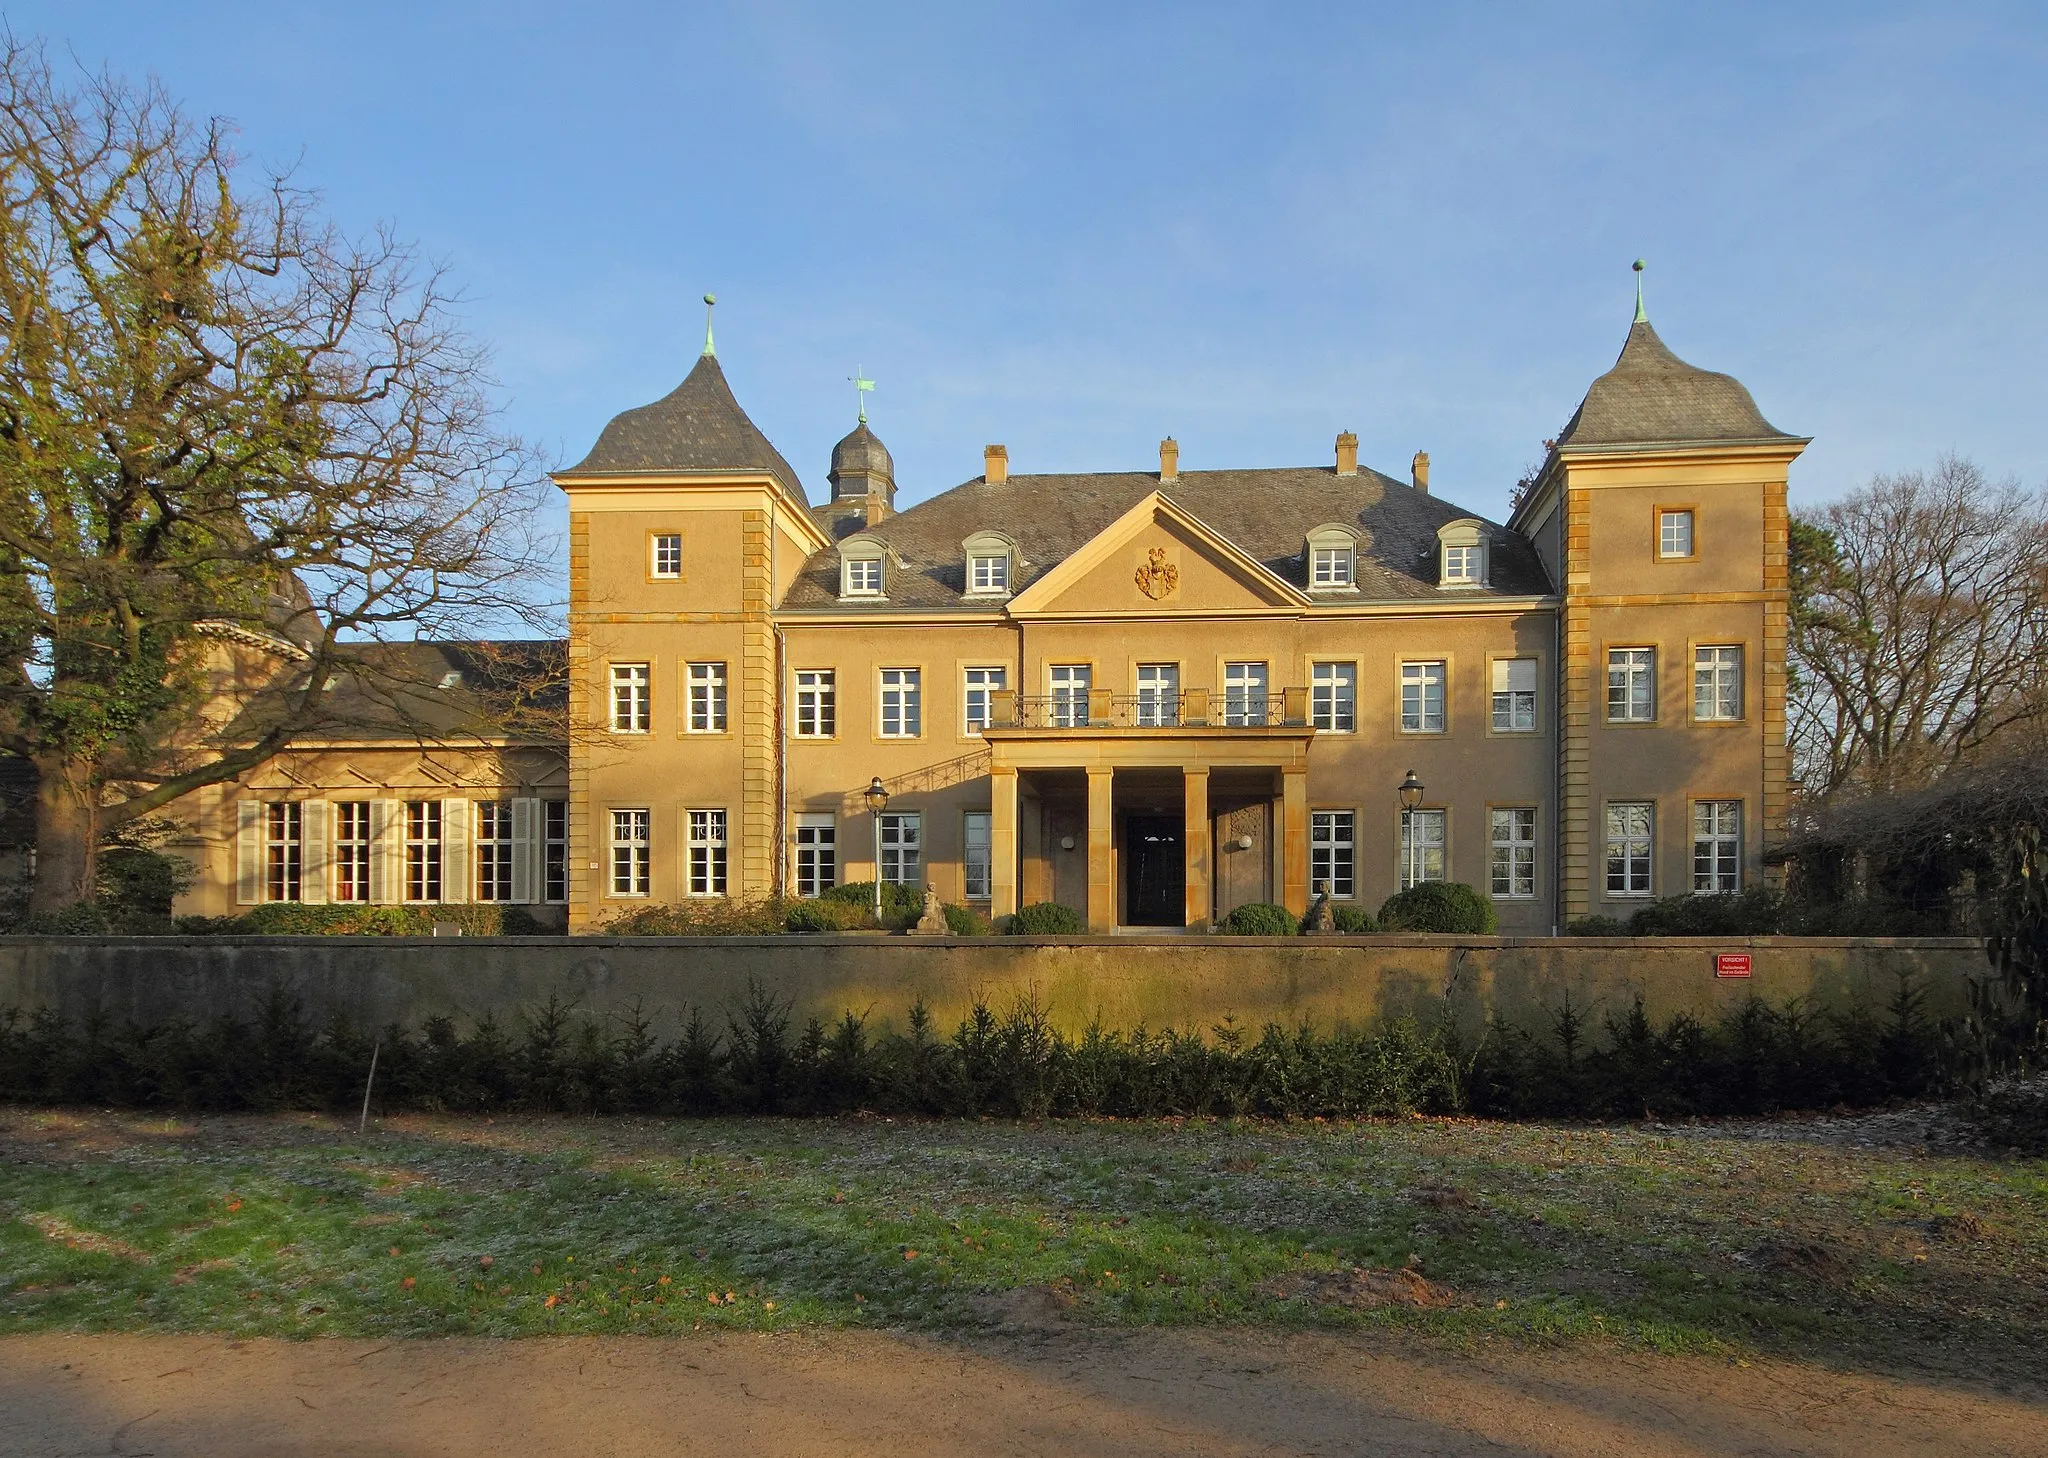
1194 708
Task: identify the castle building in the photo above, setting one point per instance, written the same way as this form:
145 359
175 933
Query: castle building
1149 695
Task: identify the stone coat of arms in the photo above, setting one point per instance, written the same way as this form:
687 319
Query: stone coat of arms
1158 577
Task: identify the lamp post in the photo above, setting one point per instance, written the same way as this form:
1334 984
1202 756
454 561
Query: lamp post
1410 792
878 801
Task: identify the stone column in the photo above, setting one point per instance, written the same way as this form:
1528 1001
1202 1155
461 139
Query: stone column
1195 833
1002 840
1294 840
1101 853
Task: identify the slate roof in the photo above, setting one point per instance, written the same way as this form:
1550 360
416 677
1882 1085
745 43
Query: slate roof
517 688
697 428
1652 397
1265 513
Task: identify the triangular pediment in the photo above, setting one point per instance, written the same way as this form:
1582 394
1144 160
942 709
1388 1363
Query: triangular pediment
1157 559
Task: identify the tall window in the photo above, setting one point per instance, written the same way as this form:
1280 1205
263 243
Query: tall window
1631 685
554 850
862 577
903 849
1244 693
707 698
1629 836
707 852
1332 852
1513 872
1422 698
1514 695
422 850
988 574
976 863
817 696
1422 847
632 697
284 850
1717 683
493 850
1330 567
902 703
1333 697
1158 695
632 852
1461 566
1674 534
817 854
667 548
981 682
352 850
1716 847
1070 685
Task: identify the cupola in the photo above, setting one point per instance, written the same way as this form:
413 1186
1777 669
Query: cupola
861 468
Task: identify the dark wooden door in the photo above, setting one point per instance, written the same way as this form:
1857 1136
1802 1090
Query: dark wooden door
1155 871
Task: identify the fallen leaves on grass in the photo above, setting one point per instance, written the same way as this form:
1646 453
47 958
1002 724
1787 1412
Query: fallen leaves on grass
55 1227
1358 1289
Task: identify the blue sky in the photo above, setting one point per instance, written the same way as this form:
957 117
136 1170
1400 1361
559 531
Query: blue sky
1075 229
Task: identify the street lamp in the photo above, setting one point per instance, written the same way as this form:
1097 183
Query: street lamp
1411 791
878 801
1411 797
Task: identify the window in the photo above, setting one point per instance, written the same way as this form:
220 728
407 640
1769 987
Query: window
861 577
554 850
1158 695
352 850
1628 848
988 574
632 855
1070 685
1332 846
1717 683
1461 566
1333 697
1461 560
284 849
1422 847
707 698
976 863
1244 693
902 849
1514 695
632 697
817 713
982 682
1422 698
1514 854
493 850
817 854
1716 847
667 549
1330 567
707 852
1674 534
1631 685
902 703
422 850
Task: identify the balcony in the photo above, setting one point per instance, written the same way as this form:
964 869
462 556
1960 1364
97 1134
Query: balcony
1193 709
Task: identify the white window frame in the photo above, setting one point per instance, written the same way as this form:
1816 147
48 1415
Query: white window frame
1631 849
1158 696
1514 709
352 841
977 858
707 698
815 714
707 852
1419 714
665 556
979 683
491 834
284 850
1425 846
632 698
1675 533
1462 554
554 864
899 703
1511 857
426 836
988 574
1070 684
1632 685
902 848
1247 693
861 576
1716 847
1717 683
817 853
1333 696
1333 853
632 846
1332 568
1461 566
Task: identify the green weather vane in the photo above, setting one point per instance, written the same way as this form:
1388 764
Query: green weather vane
1642 315
862 388
710 301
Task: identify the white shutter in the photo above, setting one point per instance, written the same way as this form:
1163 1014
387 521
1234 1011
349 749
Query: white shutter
248 851
314 852
526 877
454 851
1514 675
387 851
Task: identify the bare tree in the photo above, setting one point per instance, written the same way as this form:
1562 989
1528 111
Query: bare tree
1918 622
235 444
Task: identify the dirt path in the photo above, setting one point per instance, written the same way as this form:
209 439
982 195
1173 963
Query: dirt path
1063 1391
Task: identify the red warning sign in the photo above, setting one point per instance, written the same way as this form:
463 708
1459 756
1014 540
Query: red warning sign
1731 964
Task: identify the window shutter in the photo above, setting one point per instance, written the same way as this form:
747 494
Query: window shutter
525 851
314 854
454 851
387 851
248 851
1514 675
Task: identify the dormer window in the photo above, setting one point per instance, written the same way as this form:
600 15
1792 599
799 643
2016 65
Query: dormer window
1461 554
1331 567
860 565
1461 566
988 574
991 564
1332 552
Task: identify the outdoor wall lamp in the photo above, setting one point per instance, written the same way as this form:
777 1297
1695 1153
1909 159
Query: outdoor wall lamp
878 800
1066 842
1411 792
1243 842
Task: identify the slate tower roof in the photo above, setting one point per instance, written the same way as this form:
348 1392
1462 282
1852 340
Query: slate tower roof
1652 397
697 428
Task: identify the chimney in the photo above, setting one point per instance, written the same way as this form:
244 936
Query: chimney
1421 468
995 464
1169 460
1347 454
874 508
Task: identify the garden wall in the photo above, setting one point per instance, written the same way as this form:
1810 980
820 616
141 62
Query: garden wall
1179 982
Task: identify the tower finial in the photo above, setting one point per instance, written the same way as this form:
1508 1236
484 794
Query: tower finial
1642 315
710 349
862 388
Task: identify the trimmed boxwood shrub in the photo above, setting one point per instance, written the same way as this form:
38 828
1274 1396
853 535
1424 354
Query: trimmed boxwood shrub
1044 919
1354 921
901 905
295 919
1439 906
965 921
1595 926
1260 919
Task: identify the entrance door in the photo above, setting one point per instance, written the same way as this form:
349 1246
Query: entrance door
1244 855
1155 872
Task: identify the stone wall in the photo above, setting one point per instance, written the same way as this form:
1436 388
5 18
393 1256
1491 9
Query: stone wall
1180 982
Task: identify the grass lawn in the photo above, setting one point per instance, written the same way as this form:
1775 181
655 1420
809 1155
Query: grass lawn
1696 1239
